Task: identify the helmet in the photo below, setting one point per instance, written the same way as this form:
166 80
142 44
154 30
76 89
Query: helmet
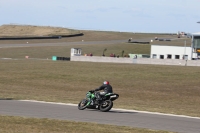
106 82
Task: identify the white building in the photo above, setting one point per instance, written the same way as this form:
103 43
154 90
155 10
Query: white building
170 52
76 51
178 52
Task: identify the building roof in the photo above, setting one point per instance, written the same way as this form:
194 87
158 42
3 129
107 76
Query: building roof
197 34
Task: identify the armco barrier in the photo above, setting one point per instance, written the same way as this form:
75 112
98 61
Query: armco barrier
101 59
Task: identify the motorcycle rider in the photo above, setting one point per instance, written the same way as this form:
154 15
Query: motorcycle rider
106 87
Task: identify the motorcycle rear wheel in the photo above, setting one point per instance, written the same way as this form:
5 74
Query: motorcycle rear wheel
106 105
83 104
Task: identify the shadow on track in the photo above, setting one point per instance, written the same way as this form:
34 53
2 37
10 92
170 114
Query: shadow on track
6 99
124 112
113 111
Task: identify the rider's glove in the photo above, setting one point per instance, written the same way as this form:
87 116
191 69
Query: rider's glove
91 91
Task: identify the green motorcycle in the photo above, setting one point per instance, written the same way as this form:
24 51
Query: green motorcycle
104 104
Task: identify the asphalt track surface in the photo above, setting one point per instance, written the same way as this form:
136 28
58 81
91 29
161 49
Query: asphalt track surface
61 43
157 121
114 117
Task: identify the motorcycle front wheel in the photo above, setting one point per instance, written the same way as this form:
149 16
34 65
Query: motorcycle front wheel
83 104
106 105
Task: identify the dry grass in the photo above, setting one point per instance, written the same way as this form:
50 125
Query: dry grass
30 125
64 51
168 89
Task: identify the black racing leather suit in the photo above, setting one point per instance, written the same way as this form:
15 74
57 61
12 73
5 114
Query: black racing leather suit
106 88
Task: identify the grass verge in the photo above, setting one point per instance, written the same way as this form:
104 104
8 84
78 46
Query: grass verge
11 124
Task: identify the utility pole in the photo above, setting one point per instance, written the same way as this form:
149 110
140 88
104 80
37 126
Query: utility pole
184 54
185 48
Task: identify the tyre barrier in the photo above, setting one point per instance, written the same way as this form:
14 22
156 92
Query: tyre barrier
139 42
40 37
60 58
63 58
164 39
28 38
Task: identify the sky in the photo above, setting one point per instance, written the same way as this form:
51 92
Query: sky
151 16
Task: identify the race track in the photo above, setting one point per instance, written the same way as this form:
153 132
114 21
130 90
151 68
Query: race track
114 117
60 44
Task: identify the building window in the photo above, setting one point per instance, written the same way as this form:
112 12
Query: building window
169 56
154 56
177 56
198 55
161 56
185 57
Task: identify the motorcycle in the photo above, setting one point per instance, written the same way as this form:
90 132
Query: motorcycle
104 103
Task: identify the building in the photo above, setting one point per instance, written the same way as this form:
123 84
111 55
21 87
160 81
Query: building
170 52
178 52
76 51
196 45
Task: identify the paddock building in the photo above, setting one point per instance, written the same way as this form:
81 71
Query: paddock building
178 52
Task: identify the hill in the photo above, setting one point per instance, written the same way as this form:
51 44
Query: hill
89 35
29 30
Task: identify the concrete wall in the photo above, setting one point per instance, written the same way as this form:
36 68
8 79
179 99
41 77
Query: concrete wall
161 61
137 61
101 59
168 62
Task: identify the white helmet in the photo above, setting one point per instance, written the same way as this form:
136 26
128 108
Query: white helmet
106 82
